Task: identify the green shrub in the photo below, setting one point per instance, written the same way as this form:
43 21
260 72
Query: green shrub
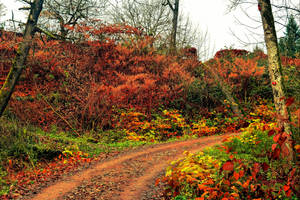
292 81
112 136
203 95
16 142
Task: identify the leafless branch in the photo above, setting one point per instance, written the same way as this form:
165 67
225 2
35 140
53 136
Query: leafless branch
28 2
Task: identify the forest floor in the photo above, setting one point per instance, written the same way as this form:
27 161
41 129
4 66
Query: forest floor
126 176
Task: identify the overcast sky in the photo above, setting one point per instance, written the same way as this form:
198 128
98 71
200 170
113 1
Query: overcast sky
211 16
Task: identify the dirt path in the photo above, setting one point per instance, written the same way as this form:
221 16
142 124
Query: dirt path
129 176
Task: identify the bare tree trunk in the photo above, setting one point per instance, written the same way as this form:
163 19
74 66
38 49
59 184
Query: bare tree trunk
175 9
22 53
275 73
175 23
226 90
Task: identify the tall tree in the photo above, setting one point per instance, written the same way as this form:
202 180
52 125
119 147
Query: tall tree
275 73
174 6
149 15
7 89
155 18
58 14
2 9
282 10
2 12
289 45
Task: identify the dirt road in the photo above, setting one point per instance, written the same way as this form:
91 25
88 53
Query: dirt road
129 176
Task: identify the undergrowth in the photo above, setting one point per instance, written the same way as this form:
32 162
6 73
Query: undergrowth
247 166
29 155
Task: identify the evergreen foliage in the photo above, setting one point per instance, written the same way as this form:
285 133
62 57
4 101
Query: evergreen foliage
289 45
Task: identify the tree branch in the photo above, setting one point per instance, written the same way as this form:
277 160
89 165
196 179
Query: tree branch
167 2
28 2
287 7
49 34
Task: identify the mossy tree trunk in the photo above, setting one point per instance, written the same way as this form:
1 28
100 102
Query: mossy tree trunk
275 73
234 104
22 53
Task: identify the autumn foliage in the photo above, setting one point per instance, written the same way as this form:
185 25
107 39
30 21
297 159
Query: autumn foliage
114 78
67 162
230 53
122 69
238 69
62 85
248 166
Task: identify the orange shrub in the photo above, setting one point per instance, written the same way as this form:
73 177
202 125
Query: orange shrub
80 83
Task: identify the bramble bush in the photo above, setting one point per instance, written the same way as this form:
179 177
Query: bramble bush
239 69
121 67
240 169
61 86
247 75
248 166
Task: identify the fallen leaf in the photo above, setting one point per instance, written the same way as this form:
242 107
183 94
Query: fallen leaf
228 166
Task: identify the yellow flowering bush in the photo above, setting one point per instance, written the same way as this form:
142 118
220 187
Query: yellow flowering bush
250 134
167 124
185 175
201 128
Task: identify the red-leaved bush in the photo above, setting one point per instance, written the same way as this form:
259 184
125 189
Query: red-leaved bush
81 84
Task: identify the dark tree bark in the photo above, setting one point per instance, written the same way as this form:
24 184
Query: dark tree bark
22 53
175 9
275 73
